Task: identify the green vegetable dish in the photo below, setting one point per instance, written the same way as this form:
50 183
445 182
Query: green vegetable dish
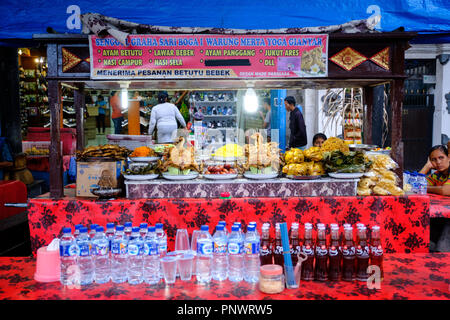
143 170
351 162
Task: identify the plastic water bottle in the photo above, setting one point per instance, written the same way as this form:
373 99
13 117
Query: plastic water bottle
135 257
93 230
413 181
224 226
109 235
143 228
76 233
256 227
251 258
162 244
423 183
119 249
151 257
85 261
220 261
235 255
68 252
100 248
127 230
204 255
405 179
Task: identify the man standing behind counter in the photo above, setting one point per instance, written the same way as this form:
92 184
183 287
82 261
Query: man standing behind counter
116 116
297 126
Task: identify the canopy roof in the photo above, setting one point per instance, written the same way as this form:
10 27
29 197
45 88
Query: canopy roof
24 18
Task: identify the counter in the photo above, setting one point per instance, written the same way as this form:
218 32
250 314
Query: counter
414 276
240 188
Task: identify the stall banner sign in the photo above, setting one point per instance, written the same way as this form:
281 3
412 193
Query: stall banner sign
183 56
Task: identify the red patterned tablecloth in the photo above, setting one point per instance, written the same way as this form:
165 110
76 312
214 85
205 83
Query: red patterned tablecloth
404 221
439 206
414 276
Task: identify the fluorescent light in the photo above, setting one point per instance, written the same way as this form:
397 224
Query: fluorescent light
250 101
124 98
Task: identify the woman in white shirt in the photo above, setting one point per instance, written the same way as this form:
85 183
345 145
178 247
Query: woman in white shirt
164 117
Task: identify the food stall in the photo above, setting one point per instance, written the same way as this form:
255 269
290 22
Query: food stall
358 59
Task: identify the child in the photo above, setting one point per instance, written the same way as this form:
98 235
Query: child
319 139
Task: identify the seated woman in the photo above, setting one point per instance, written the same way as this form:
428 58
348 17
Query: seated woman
319 139
438 181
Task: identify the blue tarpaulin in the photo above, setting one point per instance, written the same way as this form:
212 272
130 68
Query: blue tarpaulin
22 19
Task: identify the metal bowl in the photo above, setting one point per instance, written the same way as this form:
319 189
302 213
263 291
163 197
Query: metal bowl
366 147
106 193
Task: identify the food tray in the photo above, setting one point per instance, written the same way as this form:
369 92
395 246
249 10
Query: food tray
144 159
129 141
341 175
225 176
260 176
303 177
141 177
180 177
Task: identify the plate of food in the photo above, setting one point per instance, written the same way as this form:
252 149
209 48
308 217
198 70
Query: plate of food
303 177
187 176
344 175
142 172
260 176
144 154
159 149
379 151
141 177
218 176
178 162
144 159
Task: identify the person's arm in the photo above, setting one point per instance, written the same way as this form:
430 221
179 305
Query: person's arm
179 117
152 124
427 167
441 190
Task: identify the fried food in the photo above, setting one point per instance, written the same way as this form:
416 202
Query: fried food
360 191
261 155
103 151
313 154
143 152
294 155
179 157
333 144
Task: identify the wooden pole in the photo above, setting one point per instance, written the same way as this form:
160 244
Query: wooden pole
396 126
56 160
79 104
368 111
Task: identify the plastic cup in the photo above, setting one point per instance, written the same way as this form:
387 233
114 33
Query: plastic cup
177 255
195 235
185 263
182 240
169 267
48 265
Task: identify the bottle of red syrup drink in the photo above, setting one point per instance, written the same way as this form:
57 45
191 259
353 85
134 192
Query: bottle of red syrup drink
348 255
265 251
376 250
321 255
294 243
278 256
308 249
335 254
362 255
